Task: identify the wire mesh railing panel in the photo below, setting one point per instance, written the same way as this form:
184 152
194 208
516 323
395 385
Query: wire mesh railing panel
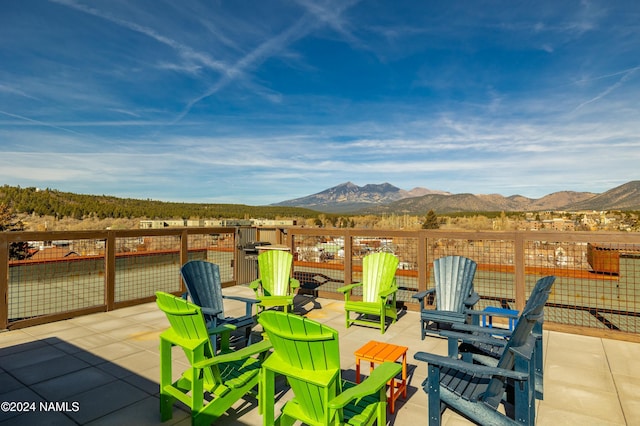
596 284
404 248
218 248
64 274
57 277
145 265
318 263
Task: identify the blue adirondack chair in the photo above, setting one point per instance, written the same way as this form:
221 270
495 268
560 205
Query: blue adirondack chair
453 294
476 391
204 287
487 346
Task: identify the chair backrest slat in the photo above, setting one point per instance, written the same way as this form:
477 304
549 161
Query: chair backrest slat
275 270
453 276
204 285
378 273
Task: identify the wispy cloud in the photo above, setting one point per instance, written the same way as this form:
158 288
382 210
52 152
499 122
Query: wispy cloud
38 123
626 75
185 51
15 91
276 44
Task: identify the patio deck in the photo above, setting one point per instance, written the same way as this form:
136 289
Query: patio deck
106 367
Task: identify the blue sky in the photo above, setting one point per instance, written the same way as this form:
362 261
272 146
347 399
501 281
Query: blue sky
258 102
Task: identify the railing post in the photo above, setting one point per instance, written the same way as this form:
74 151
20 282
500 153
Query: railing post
520 282
4 281
423 273
290 240
110 271
348 258
184 255
184 247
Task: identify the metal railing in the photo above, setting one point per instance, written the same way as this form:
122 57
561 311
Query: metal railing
597 291
74 273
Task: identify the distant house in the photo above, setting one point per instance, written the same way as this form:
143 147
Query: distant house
159 224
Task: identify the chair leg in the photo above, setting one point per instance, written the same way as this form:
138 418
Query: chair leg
247 334
166 407
433 390
166 401
382 406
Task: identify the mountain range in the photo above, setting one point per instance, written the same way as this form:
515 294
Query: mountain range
386 198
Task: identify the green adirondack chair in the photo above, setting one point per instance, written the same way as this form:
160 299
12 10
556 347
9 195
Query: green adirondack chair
307 354
212 383
477 391
378 292
275 287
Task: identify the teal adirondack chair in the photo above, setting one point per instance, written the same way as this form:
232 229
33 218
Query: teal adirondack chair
204 287
477 391
275 287
486 346
212 383
453 294
307 354
379 291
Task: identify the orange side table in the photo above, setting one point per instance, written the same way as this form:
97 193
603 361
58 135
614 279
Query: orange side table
379 352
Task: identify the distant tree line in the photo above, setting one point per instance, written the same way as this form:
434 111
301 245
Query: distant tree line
50 202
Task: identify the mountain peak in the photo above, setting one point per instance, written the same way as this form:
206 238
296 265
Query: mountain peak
386 198
349 197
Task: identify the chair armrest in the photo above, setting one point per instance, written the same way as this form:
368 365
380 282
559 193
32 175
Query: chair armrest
474 338
385 293
241 299
477 369
421 295
224 328
248 303
347 288
294 283
211 311
244 353
255 284
476 329
493 314
376 380
472 299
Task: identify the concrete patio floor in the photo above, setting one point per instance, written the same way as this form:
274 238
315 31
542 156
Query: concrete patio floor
105 367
